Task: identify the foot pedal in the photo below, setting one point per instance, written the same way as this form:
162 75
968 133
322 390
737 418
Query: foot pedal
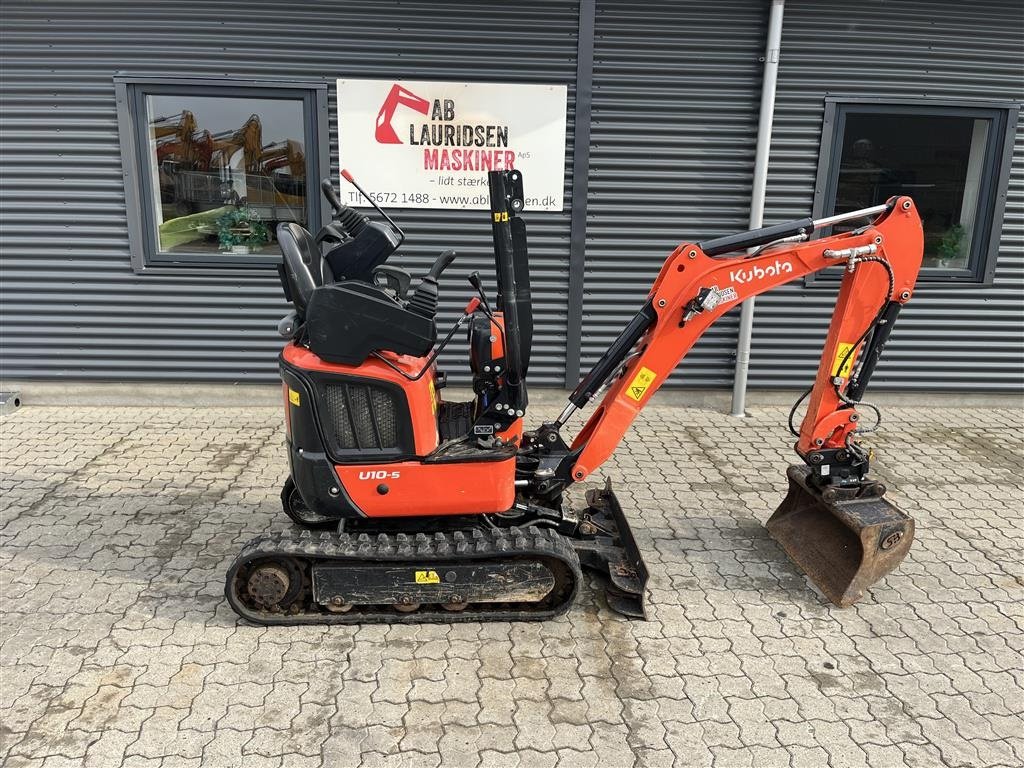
843 539
454 420
610 549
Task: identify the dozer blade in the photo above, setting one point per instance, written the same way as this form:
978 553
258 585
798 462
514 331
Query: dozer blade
843 542
608 547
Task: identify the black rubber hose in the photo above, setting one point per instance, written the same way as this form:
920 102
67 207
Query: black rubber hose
871 326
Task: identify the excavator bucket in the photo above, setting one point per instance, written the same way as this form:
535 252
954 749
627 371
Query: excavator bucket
843 541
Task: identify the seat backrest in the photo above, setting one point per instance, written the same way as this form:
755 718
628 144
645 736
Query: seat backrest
303 264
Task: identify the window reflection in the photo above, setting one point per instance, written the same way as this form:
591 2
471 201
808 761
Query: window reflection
227 171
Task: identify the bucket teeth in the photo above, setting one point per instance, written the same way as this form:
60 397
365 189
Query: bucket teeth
842 541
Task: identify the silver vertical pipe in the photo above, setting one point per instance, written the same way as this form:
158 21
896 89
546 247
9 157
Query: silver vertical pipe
772 49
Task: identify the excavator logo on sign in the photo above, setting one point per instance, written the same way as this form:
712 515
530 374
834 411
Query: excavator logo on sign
398 95
641 383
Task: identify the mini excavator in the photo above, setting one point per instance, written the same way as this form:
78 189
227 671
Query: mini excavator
413 508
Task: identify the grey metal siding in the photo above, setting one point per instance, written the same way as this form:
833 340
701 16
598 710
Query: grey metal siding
949 337
676 89
676 94
72 307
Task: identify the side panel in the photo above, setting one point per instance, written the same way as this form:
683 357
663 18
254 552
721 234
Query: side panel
420 394
410 489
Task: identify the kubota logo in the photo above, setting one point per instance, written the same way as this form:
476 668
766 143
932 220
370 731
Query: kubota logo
755 273
384 133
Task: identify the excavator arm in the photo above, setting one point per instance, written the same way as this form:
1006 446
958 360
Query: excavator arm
834 522
697 285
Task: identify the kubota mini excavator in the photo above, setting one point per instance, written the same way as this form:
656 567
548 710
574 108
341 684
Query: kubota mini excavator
453 511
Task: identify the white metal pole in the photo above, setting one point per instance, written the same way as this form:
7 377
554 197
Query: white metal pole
764 141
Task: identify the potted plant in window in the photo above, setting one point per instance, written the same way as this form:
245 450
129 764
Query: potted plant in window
950 247
242 231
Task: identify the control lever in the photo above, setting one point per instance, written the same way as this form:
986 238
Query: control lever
424 298
332 197
474 280
441 263
347 223
349 178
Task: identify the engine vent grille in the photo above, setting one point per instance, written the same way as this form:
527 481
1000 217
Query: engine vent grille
362 417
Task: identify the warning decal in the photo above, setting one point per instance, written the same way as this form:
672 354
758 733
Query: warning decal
641 383
842 351
427 577
293 397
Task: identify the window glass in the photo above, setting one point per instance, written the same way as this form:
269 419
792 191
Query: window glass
225 171
938 160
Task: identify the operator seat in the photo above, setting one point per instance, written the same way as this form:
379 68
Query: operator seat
344 321
303 264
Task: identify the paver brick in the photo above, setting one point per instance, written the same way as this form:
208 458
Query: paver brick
118 648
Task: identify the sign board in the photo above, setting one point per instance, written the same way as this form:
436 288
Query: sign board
426 144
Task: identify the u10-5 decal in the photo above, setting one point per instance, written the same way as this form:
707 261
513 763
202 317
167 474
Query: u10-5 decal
378 474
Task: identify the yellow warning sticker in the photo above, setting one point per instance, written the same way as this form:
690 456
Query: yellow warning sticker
503 216
433 395
293 397
843 351
641 383
427 577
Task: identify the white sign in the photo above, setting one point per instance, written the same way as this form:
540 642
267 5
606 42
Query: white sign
420 144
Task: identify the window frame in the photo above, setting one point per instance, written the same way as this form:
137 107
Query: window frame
981 265
131 92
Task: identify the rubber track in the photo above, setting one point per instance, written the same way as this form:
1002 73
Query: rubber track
420 550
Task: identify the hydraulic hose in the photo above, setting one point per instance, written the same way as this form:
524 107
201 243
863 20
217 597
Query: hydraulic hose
867 332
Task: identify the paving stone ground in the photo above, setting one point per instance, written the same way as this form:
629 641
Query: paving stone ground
118 647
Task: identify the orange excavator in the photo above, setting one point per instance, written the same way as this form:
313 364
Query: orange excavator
182 125
281 155
248 139
178 138
438 510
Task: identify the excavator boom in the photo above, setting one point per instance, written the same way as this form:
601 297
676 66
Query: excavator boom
834 522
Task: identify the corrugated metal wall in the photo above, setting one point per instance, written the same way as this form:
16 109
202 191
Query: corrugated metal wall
676 94
675 97
952 337
71 305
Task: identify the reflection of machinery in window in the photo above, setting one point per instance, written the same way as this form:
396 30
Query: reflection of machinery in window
184 124
203 175
248 139
180 147
284 153
284 163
